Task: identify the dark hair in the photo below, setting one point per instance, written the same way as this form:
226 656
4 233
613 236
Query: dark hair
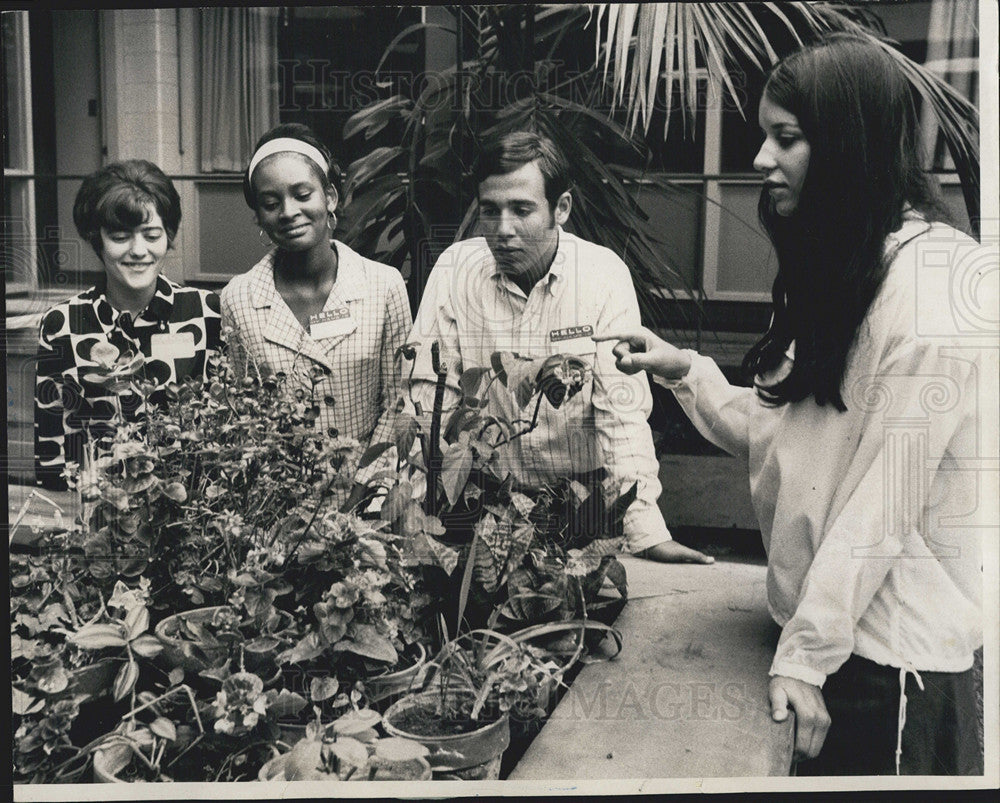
856 110
116 197
300 132
505 153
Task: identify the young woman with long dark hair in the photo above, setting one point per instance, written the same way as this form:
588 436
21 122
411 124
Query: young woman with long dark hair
865 405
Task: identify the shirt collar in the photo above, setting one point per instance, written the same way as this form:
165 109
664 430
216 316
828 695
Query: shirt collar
350 284
158 309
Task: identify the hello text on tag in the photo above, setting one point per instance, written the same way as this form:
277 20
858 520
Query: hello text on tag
573 340
331 323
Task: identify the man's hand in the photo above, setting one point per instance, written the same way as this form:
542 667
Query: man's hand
672 552
811 718
641 350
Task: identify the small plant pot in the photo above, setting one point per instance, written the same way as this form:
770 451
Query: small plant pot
386 687
108 764
193 657
180 652
274 770
474 755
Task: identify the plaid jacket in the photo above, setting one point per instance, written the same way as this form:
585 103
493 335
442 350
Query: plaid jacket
174 333
372 318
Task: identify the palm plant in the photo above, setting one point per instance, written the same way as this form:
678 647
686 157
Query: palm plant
640 37
403 200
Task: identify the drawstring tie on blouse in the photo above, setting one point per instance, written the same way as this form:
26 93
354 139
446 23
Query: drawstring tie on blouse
901 720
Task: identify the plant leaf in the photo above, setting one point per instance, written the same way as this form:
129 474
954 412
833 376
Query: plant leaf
456 465
285 703
24 703
349 750
175 491
136 621
146 646
164 728
125 680
373 452
323 688
98 636
365 640
356 721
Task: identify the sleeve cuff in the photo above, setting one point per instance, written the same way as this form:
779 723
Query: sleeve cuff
670 384
645 530
797 671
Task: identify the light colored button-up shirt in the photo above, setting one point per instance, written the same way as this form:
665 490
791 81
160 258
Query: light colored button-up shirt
473 310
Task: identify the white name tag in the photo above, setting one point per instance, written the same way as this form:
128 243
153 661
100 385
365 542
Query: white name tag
572 340
331 323
172 346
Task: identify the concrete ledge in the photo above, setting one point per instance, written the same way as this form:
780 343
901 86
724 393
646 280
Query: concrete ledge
706 491
687 697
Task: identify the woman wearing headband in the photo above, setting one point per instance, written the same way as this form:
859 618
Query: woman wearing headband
864 429
313 308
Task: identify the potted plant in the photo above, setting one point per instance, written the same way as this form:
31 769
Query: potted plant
350 749
481 544
77 647
462 711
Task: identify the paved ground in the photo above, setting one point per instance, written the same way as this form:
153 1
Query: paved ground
687 697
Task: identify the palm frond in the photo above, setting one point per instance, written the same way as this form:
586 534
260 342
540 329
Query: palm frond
691 39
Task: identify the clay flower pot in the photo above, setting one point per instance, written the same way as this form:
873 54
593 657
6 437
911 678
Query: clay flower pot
188 655
473 755
380 688
274 770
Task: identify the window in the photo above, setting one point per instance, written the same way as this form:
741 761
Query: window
17 247
313 65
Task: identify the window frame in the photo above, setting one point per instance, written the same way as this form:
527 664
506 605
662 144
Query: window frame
22 176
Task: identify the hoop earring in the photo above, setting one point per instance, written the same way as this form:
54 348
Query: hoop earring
265 241
331 222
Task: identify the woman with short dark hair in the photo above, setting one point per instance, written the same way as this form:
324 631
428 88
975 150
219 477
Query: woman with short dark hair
129 212
864 411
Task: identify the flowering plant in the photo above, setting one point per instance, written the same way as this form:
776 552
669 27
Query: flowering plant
225 492
505 554
71 643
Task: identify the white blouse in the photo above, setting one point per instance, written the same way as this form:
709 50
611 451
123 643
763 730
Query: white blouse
872 518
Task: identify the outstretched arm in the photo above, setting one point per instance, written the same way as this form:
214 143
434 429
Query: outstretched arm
641 350
622 406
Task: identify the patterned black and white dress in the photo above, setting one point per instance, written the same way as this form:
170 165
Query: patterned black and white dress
174 333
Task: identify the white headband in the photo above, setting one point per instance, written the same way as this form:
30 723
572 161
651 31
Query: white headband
283 145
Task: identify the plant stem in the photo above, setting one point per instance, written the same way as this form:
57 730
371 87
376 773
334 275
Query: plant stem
434 448
305 530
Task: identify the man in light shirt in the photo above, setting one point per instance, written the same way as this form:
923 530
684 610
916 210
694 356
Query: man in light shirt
526 286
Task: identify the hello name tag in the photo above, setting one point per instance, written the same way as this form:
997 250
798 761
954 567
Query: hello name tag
331 323
172 346
573 340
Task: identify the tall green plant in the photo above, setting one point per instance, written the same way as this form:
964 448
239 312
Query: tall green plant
403 201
